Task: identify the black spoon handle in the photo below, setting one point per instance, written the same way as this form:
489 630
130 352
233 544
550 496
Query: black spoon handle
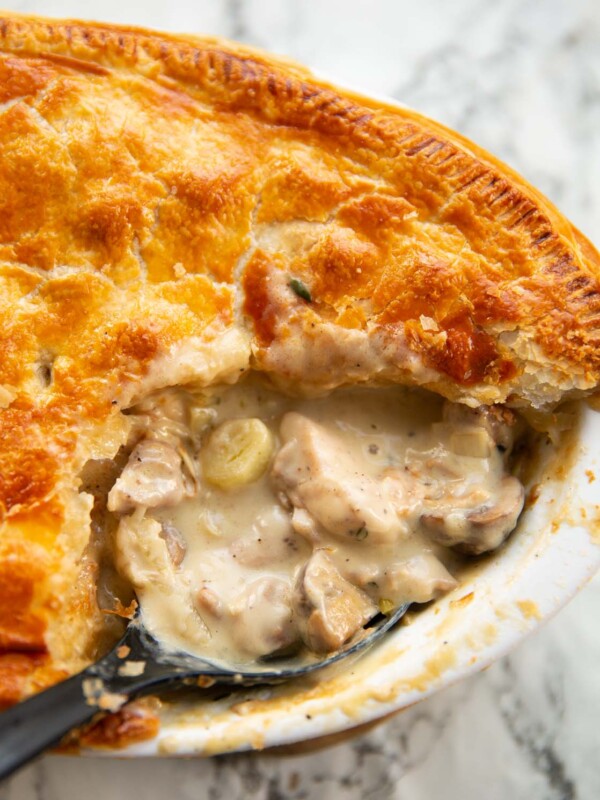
36 724
40 722
32 726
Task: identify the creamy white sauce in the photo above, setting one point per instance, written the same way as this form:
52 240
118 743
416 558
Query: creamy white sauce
242 585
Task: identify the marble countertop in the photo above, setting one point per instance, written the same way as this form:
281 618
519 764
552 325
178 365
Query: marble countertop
521 78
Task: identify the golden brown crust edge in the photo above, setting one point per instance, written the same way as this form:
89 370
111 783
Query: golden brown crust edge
442 264
475 193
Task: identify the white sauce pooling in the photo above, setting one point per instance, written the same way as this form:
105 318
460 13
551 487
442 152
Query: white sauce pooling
333 509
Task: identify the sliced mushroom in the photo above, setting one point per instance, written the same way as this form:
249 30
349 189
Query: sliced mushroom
492 524
152 478
475 530
262 617
328 609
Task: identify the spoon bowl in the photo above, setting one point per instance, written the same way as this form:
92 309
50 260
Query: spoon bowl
138 664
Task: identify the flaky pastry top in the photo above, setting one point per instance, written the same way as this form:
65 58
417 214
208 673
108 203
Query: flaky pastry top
180 210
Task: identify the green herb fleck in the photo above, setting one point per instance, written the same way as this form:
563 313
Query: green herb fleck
360 534
300 289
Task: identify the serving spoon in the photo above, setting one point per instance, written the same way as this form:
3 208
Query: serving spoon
139 664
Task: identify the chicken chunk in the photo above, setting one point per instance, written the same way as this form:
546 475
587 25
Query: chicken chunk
142 556
328 609
317 473
262 617
152 478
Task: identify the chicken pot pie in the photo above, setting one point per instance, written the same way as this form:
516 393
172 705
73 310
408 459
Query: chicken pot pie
266 347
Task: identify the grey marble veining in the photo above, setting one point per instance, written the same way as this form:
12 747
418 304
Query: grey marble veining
522 78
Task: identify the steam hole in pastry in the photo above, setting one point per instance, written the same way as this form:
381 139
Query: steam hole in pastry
44 369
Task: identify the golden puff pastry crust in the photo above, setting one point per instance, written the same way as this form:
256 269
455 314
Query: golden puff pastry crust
180 210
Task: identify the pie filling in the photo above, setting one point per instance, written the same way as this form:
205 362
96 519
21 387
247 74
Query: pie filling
251 523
